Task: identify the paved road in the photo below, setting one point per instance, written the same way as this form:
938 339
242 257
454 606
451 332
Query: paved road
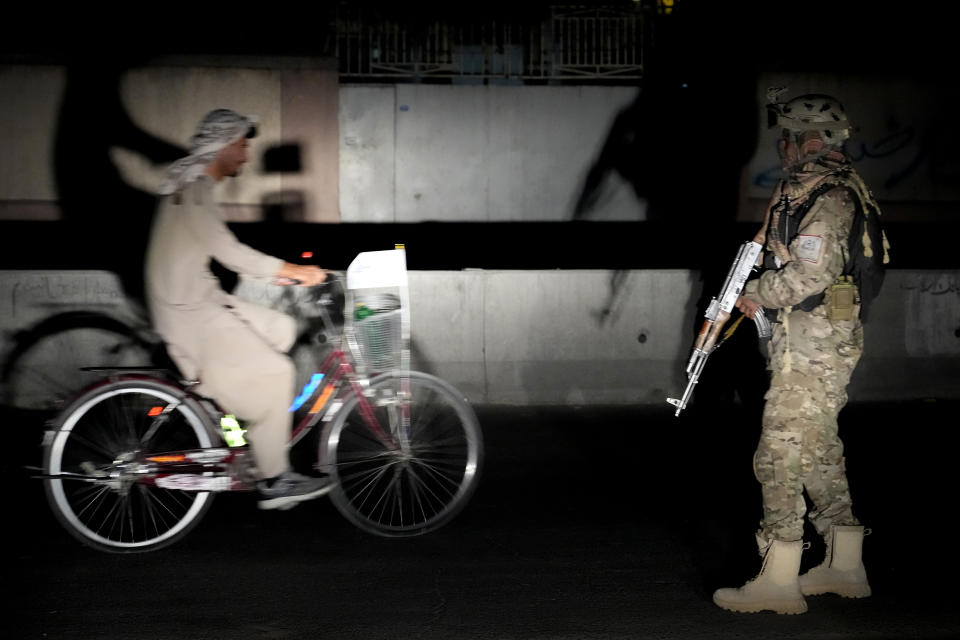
599 523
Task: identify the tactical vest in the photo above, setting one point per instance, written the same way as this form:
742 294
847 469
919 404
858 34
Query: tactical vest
867 271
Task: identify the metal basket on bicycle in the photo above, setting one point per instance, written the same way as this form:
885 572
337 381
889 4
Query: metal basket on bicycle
377 327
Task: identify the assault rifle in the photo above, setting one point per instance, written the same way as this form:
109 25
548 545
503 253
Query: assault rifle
717 315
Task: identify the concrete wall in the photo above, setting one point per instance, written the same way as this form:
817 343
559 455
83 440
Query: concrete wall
567 340
405 153
295 101
901 140
413 152
556 345
28 115
475 153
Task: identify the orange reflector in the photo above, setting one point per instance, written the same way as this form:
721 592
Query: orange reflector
155 411
179 457
322 399
306 254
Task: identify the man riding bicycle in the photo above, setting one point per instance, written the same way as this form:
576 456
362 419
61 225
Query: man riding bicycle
236 349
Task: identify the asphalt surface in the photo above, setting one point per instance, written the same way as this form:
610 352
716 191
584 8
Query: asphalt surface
589 523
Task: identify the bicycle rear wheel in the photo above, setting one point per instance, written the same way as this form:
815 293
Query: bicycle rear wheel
393 490
95 488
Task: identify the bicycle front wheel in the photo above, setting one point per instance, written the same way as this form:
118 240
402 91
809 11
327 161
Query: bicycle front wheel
94 485
422 473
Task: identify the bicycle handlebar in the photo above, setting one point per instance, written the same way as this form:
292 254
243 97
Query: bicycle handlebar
291 282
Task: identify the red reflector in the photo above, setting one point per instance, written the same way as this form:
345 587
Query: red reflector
306 254
155 411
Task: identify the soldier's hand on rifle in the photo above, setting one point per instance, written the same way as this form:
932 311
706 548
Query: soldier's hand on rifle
747 306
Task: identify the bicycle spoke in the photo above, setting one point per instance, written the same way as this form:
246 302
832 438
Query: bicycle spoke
429 490
442 478
97 496
365 457
367 491
114 514
151 508
398 496
417 497
107 455
128 509
367 478
420 486
106 428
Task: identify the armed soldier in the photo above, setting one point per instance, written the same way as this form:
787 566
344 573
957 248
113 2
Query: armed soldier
824 257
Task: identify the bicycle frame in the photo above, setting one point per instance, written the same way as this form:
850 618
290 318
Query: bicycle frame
133 462
337 370
225 468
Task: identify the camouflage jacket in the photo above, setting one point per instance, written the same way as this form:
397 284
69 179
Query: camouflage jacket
816 256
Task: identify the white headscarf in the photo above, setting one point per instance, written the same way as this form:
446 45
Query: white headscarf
220 128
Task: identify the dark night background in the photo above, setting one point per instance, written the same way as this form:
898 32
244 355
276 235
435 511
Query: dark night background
681 145
699 88
590 523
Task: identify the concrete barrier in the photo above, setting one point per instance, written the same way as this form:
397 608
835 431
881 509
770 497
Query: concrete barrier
572 337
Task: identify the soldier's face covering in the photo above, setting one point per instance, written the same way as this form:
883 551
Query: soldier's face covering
804 150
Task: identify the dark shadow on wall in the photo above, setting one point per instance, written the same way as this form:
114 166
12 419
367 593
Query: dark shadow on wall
683 145
285 205
110 217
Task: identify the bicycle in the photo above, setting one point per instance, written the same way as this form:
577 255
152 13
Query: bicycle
132 464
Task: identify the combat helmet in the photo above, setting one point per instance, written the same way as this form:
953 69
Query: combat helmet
812 112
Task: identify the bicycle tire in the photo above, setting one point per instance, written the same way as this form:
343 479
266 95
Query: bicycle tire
390 493
43 369
105 425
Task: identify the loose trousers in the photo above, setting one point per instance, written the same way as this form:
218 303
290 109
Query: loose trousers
240 359
811 361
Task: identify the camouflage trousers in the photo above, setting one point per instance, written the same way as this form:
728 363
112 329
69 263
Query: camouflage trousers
811 360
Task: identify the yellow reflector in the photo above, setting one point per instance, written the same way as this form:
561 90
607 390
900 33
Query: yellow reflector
232 432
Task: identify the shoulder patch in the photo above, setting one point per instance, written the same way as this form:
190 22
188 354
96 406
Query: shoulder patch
809 248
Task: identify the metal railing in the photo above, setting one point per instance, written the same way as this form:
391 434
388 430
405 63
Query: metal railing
572 44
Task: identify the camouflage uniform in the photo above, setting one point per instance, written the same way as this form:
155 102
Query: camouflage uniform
811 359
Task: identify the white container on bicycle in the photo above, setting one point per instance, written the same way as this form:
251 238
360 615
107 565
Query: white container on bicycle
379 329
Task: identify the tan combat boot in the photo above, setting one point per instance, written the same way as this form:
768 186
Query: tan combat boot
777 588
842 569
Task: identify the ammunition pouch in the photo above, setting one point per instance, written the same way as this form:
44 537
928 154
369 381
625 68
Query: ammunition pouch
843 299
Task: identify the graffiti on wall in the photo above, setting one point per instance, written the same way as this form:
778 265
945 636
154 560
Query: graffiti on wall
900 143
932 313
894 158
